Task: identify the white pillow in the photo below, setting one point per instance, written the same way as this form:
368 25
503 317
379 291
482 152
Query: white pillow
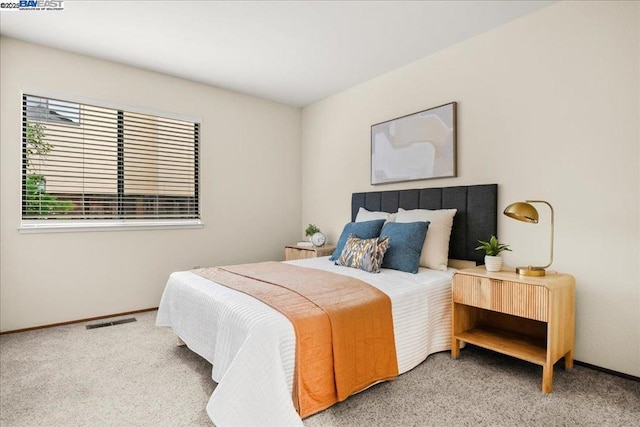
435 251
365 215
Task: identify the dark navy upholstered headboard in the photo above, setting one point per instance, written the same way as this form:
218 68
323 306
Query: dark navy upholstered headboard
476 219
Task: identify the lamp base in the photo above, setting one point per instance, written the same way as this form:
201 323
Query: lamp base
530 271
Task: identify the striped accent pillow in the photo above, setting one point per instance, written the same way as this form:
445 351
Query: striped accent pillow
364 254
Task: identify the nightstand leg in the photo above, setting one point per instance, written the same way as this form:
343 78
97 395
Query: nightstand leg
455 348
547 378
568 361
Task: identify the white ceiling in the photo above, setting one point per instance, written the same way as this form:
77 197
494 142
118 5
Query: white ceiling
294 52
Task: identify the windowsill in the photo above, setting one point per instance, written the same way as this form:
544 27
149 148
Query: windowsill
63 226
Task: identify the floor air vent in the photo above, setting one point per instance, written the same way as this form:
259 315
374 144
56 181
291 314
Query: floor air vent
115 322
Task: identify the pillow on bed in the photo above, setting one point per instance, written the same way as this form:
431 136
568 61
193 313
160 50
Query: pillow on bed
405 245
435 250
365 215
364 254
363 230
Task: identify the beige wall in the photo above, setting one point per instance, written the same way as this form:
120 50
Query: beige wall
547 108
250 187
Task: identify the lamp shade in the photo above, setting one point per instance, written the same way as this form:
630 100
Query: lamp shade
522 211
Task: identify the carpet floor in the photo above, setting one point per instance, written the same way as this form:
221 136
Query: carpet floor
134 375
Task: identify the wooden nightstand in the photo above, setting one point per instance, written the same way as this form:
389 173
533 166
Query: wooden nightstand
292 252
531 318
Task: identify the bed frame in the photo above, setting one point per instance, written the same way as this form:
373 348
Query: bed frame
476 219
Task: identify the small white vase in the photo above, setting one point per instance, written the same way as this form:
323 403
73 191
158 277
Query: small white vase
493 263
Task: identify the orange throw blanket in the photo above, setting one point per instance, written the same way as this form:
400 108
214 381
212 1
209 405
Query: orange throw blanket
343 326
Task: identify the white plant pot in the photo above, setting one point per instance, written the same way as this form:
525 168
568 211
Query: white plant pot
493 263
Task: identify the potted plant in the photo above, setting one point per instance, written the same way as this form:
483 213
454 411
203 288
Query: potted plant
492 249
310 231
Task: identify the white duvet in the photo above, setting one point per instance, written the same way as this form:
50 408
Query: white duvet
252 347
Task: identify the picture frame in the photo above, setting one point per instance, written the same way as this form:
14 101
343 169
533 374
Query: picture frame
414 147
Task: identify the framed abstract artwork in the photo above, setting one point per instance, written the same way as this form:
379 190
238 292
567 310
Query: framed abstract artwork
421 145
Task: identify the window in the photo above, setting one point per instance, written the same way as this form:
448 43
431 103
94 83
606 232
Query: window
85 164
51 110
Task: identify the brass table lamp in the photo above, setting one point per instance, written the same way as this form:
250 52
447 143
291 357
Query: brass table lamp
524 211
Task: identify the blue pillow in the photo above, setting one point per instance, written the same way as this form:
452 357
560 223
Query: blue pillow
362 230
406 240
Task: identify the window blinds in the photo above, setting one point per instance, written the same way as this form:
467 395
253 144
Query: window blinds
87 162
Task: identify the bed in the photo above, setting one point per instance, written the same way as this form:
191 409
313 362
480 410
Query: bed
252 346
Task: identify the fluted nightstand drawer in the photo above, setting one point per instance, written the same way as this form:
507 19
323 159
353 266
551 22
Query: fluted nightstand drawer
294 252
514 298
